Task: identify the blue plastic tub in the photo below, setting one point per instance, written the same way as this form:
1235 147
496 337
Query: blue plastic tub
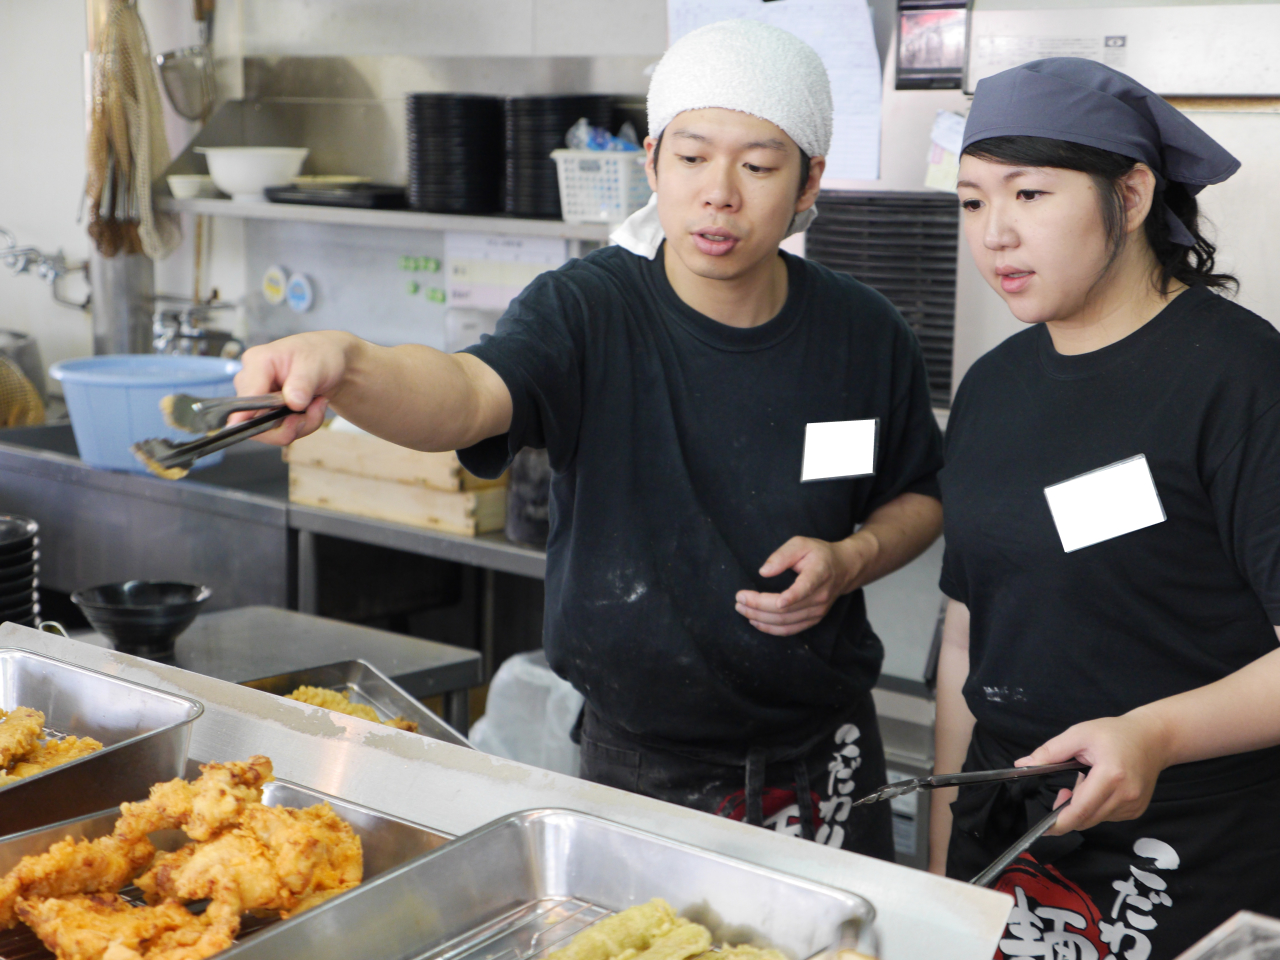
114 401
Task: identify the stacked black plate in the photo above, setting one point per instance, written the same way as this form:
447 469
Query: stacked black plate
18 560
455 152
533 127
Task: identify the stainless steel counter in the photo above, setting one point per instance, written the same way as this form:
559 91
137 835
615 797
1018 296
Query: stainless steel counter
456 790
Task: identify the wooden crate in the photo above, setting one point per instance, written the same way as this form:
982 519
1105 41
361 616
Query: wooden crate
466 512
368 456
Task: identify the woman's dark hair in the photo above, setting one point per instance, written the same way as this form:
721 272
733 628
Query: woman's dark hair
1193 266
804 164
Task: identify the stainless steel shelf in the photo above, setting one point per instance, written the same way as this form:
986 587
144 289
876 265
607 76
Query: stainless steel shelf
398 219
490 551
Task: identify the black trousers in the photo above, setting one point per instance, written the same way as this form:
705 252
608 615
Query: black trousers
1143 889
836 768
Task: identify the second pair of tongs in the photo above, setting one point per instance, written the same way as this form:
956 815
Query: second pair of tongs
903 787
173 461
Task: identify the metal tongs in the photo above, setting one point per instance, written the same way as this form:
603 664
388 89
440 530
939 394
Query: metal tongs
988 876
904 787
173 461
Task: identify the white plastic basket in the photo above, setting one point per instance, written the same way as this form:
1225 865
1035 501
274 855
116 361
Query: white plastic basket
600 186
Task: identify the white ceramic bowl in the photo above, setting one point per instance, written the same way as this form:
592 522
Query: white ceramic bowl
188 186
244 172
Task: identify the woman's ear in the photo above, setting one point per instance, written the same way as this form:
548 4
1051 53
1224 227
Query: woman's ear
1138 188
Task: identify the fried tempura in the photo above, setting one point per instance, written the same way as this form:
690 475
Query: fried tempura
277 859
20 731
629 932
52 753
686 939
102 925
70 867
202 808
340 702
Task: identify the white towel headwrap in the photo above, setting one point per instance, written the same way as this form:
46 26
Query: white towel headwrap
740 65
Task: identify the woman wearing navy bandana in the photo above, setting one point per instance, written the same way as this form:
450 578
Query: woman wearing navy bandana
1112 501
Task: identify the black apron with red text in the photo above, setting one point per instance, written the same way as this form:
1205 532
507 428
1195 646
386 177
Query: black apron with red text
1144 889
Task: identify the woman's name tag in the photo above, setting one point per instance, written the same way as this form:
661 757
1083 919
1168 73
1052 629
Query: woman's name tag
839 449
1105 503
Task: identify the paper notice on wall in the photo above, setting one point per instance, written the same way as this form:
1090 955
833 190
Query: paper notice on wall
486 271
841 32
945 140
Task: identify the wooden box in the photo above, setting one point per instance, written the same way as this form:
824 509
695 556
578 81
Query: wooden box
362 474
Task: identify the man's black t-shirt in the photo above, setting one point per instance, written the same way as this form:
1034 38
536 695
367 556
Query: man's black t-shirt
1057 638
676 446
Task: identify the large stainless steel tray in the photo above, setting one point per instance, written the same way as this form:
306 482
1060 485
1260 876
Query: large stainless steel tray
522 885
387 841
364 683
144 732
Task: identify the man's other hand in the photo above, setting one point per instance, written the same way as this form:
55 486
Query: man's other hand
824 572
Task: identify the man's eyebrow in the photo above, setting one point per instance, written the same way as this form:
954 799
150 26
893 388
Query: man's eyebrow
690 135
773 143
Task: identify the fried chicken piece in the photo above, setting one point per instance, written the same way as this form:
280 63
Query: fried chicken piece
69 867
105 865
277 859
216 931
99 926
52 753
20 731
340 702
333 700
215 800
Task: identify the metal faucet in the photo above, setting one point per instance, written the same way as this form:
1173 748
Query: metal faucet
180 329
49 267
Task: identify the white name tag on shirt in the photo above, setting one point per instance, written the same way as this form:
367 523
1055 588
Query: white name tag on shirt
1105 503
839 449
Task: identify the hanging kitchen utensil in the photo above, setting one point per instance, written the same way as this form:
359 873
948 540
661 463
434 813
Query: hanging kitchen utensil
187 75
127 150
206 414
20 404
990 875
173 461
903 787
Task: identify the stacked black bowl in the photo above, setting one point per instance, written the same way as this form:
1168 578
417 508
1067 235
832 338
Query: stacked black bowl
455 152
18 563
533 127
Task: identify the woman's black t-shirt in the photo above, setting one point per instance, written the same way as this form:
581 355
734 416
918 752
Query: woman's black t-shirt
1057 638
676 445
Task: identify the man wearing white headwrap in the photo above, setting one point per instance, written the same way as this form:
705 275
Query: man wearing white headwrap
704 599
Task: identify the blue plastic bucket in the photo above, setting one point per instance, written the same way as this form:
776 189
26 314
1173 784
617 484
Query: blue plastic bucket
114 401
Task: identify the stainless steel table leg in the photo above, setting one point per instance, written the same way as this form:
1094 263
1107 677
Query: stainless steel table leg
308 573
457 710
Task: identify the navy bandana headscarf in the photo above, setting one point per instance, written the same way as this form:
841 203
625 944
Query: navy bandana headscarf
1081 101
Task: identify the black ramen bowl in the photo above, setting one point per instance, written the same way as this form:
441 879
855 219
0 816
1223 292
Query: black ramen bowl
141 616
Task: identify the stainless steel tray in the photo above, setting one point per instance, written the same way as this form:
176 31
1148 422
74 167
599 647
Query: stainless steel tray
364 683
522 885
144 732
388 842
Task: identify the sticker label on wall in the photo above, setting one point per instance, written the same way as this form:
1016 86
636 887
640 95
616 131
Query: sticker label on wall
1105 503
839 449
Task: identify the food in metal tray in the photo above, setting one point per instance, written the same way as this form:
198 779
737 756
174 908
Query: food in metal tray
244 857
27 749
341 702
652 931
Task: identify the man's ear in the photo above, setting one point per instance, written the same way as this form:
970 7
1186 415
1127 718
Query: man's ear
651 162
809 193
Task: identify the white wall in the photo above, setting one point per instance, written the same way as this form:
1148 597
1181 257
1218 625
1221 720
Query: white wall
42 161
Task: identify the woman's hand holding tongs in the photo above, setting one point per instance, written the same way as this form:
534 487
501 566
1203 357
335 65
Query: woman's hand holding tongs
1125 756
